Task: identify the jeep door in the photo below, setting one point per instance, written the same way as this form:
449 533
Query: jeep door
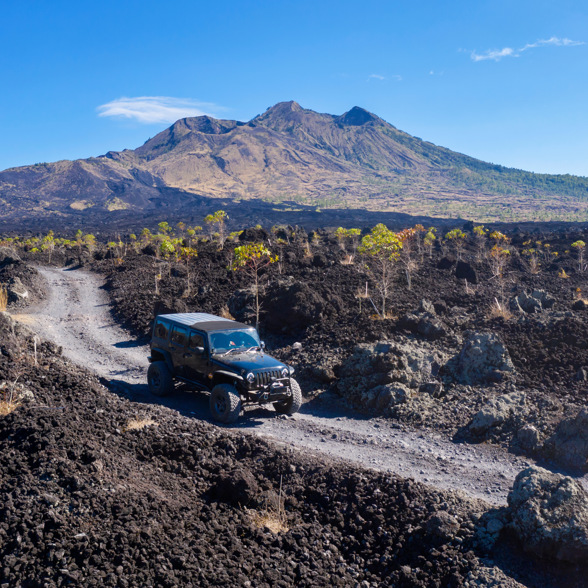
178 347
196 357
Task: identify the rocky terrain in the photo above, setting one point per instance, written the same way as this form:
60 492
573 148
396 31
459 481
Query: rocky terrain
291 159
446 360
90 497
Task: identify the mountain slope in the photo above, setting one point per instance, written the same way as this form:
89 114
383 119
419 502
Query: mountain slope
288 153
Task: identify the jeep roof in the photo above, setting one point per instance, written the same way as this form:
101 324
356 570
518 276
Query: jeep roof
203 321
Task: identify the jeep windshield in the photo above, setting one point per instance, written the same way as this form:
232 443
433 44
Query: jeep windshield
234 341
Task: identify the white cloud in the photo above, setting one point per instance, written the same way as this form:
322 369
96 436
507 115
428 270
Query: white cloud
376 77
155 109
494 54
498 54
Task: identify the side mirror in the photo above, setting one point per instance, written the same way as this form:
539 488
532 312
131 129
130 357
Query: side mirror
262 344
199 350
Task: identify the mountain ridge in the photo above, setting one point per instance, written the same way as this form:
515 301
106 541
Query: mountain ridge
292 154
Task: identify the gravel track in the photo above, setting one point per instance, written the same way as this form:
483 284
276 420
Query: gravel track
76 315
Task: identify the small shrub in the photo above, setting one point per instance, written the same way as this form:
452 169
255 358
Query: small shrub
269 519
580 246
272 518
3 299
498 310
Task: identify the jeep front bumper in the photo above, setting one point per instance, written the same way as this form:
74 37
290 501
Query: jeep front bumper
275 391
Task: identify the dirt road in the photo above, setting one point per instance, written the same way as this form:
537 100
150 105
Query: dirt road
76 316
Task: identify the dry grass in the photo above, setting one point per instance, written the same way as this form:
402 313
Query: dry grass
271 520
3 299
9 400
139 423
25 319
224 312
534 266
388 316
8 405
498 310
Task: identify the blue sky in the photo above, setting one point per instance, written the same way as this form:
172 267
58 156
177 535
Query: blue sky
504 81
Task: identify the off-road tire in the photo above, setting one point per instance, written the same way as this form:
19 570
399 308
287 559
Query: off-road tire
225 403
293 404
159 379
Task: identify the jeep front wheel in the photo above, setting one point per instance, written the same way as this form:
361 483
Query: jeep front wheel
292 404
159 379
225 403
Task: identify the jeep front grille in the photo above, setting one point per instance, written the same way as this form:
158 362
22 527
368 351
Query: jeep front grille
265 378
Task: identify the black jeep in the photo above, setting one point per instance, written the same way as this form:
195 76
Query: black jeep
220 356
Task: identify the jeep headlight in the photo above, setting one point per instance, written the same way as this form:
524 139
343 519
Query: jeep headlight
250 377
285 372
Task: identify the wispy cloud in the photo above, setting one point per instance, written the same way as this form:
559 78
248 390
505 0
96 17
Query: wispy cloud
381 78
498 54
155 109
555 41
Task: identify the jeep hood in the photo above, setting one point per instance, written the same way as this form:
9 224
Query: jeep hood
248 361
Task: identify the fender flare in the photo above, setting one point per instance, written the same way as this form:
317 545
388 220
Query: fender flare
166 357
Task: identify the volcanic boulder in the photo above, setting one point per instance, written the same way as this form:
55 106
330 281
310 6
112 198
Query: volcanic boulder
23 283
496 412
291 305
580 304
569 443
465 271
8 256
254 235
549 513
423 321
379 376
482 359
382 397
528 438
536 301
16 291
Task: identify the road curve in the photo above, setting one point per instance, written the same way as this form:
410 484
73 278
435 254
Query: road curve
76 315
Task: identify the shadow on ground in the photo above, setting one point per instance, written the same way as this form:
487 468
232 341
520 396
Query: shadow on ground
131 343
194 404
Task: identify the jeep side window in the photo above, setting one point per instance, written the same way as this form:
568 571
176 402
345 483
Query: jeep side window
161 330
196 340
179 335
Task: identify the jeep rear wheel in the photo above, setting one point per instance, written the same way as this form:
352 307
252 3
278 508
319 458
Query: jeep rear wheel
225 403
292 404
159 379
